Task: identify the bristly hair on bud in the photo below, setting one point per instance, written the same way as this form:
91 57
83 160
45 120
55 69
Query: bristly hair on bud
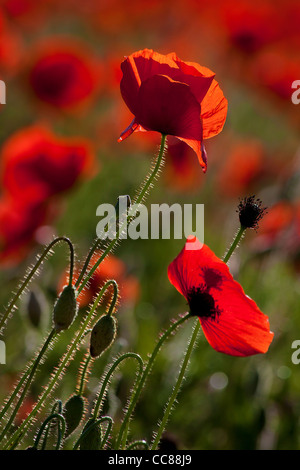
250 212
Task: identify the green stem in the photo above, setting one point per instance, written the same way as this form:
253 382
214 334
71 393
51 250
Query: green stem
32 272
92 426
29 380
83 374
147 184
235 243
46 423
15 392
108 430
122 437
138 443
58 371
108 375
176 389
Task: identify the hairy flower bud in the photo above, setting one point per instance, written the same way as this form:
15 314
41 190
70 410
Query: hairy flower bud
73 413
92 439
103 335
65 308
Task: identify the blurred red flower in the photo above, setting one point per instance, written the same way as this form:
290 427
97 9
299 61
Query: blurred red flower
277 67
231 321
63 73
19 221
274 225
11 48
36 165
250 25
37 162
172 97
243 167
110 268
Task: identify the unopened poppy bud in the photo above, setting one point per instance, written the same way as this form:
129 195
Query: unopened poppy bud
103 335
92 439
65 308
73 413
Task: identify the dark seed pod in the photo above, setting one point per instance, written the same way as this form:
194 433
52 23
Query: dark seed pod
92 439
65 308
73 413
103 335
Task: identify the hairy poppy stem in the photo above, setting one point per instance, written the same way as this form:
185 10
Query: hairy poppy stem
177 386
84 373
122 437
138 444
57 374
235 243
30 373
107 378
33 271
45 424
146 186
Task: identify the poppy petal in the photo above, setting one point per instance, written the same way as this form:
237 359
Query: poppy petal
199 149
241 329
144 64
129 130
169 107
138 67
199 78
213 111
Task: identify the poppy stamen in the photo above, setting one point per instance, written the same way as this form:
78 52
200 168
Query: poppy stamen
202 303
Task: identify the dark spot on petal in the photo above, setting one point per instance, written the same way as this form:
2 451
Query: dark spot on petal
202 303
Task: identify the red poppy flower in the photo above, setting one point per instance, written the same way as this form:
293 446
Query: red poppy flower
231 321
242 169
19 221
63 74
11 48
251 26
172 97
36 161
274 225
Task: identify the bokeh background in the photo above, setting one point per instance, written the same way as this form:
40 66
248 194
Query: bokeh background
60 159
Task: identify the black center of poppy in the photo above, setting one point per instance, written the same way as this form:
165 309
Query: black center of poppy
202 303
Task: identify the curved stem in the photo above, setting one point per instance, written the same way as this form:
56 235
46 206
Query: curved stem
46 423
29 380
234 244
108 377
114 298
58 371
108 430
121 440
32 272
147 184
176 389
93 425
138 443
